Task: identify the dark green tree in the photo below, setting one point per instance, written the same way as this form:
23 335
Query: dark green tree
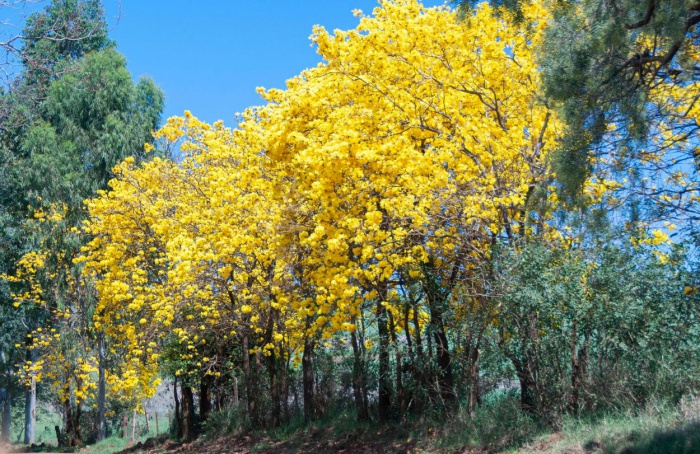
71 115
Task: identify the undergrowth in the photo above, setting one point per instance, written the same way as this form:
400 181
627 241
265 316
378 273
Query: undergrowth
499 425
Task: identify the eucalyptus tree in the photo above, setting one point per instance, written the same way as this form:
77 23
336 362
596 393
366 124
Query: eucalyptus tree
73 113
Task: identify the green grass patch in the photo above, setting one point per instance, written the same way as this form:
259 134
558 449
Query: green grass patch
659 428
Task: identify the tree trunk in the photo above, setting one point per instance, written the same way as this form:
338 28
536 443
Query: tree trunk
473 377
68 428
444 362
205 397
400 395
235 391
145 417
527 384
59 436
578 366
257 370
72 432
101 389
357 379
188 428
284 386
419 369
30 412
178 414
133 426
308 380
77 428
363 355
274 389
250 387
429 370
384 401
6 400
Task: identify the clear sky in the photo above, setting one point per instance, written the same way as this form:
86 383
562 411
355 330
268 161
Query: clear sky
210 55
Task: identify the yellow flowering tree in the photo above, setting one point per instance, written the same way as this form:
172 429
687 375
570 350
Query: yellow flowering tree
394 163
418 140
59 343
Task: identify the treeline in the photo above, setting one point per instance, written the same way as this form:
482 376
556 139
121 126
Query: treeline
387 234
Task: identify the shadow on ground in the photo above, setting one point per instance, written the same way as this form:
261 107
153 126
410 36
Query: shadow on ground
682 440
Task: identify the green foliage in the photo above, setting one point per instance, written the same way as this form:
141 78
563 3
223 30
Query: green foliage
619 313
55 37
598 72
92 118
227 421
497 425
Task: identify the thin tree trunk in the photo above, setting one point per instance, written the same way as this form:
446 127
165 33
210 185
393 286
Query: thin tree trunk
68 423
273 366
274 390
188 428
205 397
178 414
474 395
421 373
284 385
59 436
444 360
363 355
384 401
430 378
400 395
578 368
6 402
308 380
30 412
6 399
101 389
145 415
77 429
357 372
249 382
133 426
575 371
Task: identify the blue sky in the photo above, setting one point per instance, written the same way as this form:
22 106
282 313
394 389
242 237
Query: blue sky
209 56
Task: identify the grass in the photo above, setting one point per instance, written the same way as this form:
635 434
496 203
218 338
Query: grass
500 426
46 434
497 426
108 446
45 431
659 428
117 443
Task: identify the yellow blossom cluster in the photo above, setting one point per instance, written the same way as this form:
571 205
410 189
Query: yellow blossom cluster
417 141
